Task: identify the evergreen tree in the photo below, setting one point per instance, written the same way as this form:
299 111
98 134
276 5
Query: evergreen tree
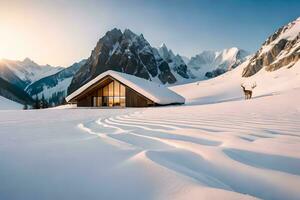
36 103
44 103
25 107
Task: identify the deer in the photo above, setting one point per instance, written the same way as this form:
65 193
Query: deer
248 93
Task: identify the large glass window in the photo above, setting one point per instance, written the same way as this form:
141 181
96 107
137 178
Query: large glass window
112 94
116 101
122 101
110 101
105 101
116 89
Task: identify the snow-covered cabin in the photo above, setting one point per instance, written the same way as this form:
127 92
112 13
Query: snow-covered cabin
113 88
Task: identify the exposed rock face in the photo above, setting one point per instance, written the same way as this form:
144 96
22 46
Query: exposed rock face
176 63
124 52
280 49
215 73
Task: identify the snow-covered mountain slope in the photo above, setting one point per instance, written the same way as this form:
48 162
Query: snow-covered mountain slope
54 87
9 76
14 93
6 104
27 71
227 87
275 68
185 59
280 49
209 64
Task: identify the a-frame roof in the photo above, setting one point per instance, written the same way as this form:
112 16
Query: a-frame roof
153 91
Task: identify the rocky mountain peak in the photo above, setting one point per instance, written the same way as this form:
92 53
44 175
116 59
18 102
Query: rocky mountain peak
163 46
164 52
28 63
112 34
125 52
128 34
176 63
280 49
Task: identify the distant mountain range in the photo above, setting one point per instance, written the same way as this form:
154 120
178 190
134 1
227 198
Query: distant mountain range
36 80
54 87
131 53
209 64
23 73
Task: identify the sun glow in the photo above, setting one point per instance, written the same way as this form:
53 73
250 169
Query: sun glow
10 43
29 33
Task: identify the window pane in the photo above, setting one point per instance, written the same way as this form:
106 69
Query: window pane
122 90
116 88
99 101
105 91
105 101
111 89
122 101
116 101
110 101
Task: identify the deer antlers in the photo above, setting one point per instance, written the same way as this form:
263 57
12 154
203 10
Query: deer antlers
253 85
242 85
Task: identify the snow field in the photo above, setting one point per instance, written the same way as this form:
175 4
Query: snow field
230 150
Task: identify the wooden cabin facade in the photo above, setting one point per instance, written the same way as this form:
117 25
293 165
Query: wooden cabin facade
115 89
110 92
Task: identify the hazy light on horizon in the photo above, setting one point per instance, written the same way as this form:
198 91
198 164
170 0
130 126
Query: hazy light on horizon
61 32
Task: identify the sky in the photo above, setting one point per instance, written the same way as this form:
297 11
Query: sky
61 32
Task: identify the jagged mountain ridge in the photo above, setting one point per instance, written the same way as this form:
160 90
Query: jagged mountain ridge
175 62
124 52
131 53
281 49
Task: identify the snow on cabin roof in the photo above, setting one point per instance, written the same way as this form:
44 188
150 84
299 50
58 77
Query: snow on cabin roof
153 91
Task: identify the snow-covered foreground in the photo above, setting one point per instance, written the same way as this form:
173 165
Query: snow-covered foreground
230 150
